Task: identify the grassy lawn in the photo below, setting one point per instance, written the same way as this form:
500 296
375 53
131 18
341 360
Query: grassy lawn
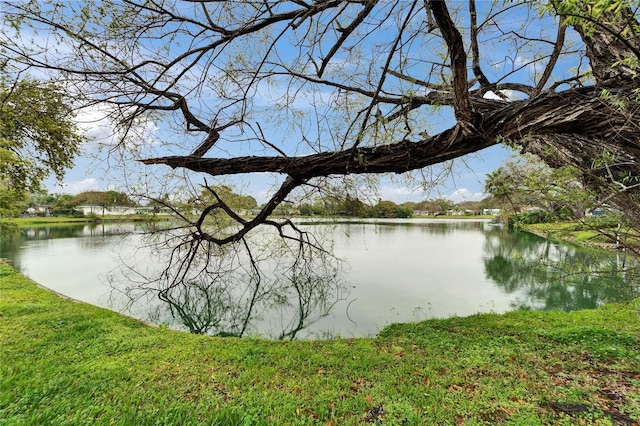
30 221
64 362
582 233
37 221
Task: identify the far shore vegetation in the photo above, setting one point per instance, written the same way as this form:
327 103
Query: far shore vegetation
38 221
597 233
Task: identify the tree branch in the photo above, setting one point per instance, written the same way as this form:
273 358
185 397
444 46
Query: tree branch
576 111
453 38
346 32
557 49
474 45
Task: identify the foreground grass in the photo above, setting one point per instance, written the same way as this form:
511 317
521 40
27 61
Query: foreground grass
64 362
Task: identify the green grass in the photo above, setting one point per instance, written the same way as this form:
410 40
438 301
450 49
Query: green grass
580 233
37 221
67 363
29 221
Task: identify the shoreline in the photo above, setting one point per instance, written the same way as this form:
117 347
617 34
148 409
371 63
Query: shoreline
559 233
67 362
550 236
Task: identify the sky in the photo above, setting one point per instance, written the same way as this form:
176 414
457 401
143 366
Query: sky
92 173
95 170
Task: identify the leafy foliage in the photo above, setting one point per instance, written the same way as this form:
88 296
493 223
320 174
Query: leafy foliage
389 209
102 198
12 202
528 182
38 137
38 134
210 194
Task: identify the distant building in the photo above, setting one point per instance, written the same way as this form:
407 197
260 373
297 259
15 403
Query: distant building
106 210
113 210
491 212
40 210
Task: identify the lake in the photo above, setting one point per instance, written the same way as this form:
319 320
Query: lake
390 271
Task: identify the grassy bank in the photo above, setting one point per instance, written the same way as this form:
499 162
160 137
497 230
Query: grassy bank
31 221
35 221
65 362
581 233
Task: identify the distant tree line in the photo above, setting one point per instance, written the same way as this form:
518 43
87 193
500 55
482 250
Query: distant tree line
523 185
353 207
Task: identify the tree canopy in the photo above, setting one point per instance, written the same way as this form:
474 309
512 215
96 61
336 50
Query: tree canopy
102 198
313 90
527 182
38 137
211 194
354 87
38 133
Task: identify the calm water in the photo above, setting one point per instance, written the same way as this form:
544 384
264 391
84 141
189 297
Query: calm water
394 271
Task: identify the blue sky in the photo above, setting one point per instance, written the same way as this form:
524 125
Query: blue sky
93 172
100 168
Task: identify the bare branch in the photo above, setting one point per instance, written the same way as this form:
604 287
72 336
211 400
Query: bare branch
261 218
428 85
463 108
345 33
557 49
475 50
569 112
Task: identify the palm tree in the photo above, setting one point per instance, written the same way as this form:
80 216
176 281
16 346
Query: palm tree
502 186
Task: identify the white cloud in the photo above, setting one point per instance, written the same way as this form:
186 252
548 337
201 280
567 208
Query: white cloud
464 194
96 126
492 95
94 121
400 194
76 187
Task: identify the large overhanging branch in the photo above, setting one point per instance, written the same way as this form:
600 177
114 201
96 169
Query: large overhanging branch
409 155
577 111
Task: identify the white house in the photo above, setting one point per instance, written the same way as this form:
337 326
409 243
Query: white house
493 212
107 210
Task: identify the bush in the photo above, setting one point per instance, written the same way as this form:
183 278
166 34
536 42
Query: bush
603 221
563 214
516 221
93 217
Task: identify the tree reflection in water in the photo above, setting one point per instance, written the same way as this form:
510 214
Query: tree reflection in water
557 276
238 289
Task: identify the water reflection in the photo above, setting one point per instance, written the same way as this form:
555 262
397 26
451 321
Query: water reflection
426 226
261 285
392 270
76 231
551 275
